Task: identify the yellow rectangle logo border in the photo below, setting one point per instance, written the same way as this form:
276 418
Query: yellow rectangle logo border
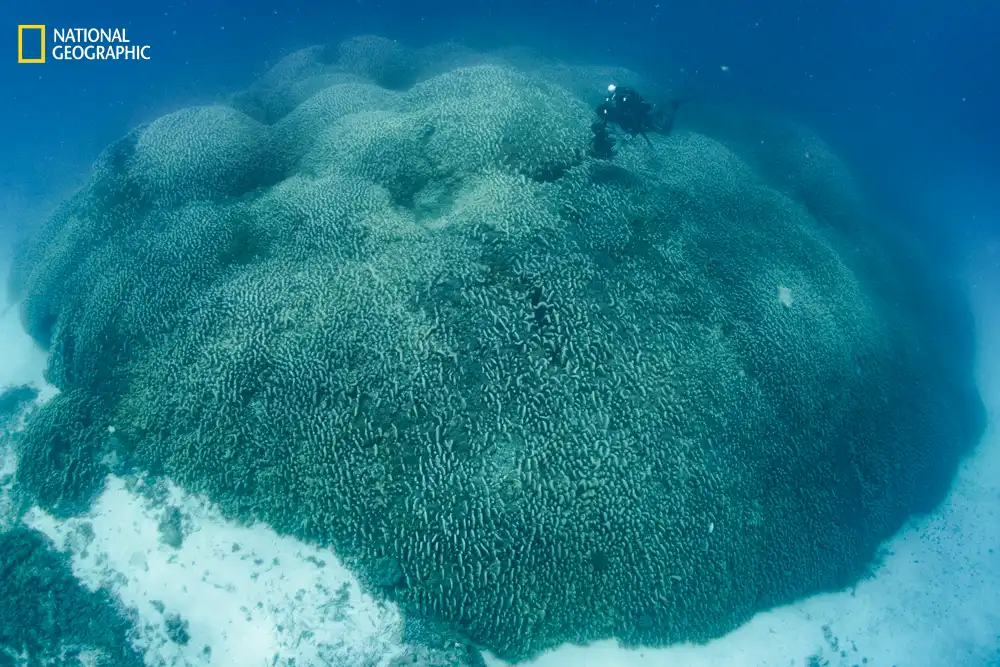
20 43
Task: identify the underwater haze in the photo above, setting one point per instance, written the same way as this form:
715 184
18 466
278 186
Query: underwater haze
474 334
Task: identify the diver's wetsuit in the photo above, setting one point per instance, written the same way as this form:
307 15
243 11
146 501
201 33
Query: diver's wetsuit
625 108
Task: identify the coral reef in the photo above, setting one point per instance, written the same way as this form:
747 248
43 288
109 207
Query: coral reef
384 300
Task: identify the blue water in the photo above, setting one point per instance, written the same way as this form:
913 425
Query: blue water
906 92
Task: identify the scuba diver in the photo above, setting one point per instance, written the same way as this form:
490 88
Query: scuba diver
625 108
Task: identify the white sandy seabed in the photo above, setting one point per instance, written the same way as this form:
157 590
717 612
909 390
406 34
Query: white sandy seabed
933 603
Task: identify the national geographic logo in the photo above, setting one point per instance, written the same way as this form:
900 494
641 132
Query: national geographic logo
76 44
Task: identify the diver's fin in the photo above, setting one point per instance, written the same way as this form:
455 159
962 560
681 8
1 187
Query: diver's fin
678 101
668 113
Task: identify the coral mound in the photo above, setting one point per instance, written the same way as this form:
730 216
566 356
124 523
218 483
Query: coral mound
384 300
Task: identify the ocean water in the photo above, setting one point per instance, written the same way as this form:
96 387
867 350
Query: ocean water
331 336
